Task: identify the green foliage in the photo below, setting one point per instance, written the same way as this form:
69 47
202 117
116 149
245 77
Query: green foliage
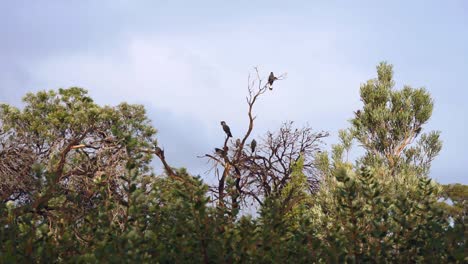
455 208
77 186
391 120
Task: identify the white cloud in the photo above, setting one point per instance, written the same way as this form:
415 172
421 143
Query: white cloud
193 63
205 76
203 79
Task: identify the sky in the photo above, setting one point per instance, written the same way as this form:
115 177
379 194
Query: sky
188 63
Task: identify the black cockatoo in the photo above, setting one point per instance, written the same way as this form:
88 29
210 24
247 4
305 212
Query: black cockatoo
253 145
417 131
220 152
226 129
271 80
159 152
358 113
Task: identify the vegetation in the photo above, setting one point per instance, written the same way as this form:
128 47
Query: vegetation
76 185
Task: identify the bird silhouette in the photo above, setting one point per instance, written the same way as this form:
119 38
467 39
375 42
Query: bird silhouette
253 145
358 113
159 152
271 80
220 152
417 131
226 129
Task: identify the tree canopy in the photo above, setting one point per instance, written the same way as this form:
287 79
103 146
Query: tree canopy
76 185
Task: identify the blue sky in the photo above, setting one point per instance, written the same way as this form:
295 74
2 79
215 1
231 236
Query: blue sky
188 61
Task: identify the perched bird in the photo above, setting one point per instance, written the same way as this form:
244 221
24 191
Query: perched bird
358 113
220 152
238 142
226 129
417 131
159 152
271 79
253 145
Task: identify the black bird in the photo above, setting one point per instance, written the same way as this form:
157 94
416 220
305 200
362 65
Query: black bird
220 152
159 152
418 130
358 114
226 129
253 145
271 79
